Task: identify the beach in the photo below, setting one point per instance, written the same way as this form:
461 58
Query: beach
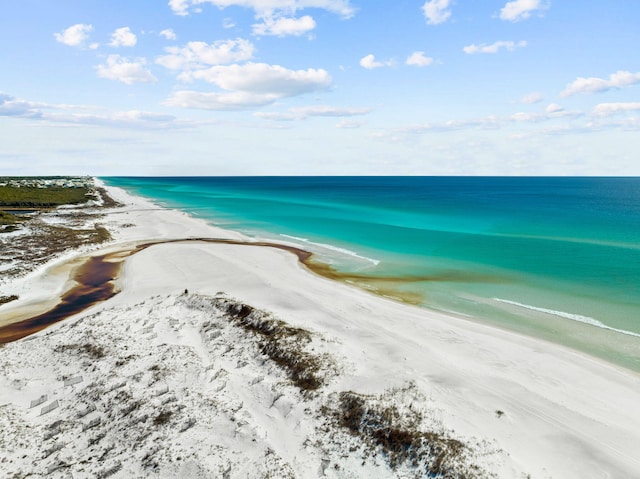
170 369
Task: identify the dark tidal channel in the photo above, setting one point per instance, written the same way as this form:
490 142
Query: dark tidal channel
95 283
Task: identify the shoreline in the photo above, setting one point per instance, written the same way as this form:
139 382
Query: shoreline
468 370
92 275
561 312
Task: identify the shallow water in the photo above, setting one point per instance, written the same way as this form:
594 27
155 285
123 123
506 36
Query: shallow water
556 258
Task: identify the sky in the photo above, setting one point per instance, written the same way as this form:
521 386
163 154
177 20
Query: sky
319 87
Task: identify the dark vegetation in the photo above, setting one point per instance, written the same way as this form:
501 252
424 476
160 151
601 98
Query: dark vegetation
89 349
383 425
107 201
398 436
38 240
8 299
163 417
46 241
31 197
281 343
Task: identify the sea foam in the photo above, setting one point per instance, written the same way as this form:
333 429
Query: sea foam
571 316
336 249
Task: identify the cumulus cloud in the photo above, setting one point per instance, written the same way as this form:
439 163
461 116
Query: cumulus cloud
169 34
520 9
197 55
262 78
249 85
123 37
418 59
282 27
531 98
75 35
129 72
437 11
269 8
608 109
494 47
617 80
369 62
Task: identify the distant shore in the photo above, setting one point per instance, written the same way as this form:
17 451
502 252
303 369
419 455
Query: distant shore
544 410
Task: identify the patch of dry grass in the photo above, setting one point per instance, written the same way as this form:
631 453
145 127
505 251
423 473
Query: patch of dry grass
92 350
383 425
281 343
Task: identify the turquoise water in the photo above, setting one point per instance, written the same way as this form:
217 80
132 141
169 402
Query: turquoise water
557 258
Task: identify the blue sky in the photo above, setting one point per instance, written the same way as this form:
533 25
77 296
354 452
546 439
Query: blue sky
347 87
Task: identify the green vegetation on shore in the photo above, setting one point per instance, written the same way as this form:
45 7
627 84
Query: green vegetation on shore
49 197
28 193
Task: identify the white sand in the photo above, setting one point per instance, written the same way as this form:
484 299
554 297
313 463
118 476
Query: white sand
566 415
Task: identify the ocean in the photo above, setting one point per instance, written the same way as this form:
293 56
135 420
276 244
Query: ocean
552 257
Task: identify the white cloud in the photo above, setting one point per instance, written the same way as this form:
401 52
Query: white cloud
608 109
369 62
554 108
617 80
129 72
494 47
218 101
123 37
262 78
326 110
520 9
269 8
197 55
75 35
228 23
282 27
302 113
527 117
169 34
419 59
553 114
179 7
249 85
437 11
11 106
531 98
15 107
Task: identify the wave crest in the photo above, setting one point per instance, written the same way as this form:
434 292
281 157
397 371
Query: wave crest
336 249
574 317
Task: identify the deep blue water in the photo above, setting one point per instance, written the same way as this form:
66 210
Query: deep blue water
558 258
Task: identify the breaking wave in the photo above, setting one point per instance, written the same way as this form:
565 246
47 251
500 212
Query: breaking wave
574 317
336 249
